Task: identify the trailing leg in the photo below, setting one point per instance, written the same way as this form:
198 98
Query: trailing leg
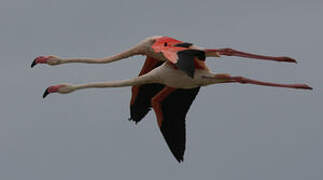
233 52
225 78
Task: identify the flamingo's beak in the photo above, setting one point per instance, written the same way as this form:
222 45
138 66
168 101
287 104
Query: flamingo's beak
45 93
34 63
40 59
55 89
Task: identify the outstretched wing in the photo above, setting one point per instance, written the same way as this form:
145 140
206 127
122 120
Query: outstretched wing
140 103
174 109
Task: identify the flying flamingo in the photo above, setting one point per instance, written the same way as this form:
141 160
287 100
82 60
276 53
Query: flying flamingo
168 82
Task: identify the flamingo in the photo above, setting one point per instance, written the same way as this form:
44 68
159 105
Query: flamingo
168 82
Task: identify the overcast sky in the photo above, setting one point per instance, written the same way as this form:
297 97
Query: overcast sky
234 131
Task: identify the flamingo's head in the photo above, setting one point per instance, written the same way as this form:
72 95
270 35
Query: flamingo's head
60 88
50 60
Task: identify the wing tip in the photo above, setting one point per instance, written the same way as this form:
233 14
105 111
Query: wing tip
138 112
180 159
133 120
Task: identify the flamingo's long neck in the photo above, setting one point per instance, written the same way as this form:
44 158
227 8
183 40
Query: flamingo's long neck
131 82
109 59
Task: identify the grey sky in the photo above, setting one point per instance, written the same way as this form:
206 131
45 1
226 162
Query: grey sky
234 131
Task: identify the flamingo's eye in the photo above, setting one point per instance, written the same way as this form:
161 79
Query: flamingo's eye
165 44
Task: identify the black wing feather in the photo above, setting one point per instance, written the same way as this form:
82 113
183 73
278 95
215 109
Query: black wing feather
186 60
142 104
175 108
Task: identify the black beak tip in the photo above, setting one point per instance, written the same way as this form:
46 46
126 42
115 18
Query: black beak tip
33 64
45 93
